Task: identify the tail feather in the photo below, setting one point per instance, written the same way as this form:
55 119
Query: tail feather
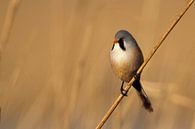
145 100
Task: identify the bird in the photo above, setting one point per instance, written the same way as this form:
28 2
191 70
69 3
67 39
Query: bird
126 57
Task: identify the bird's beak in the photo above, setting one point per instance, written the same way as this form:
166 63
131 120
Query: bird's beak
115 41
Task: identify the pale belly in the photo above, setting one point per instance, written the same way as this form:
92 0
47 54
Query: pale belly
125 64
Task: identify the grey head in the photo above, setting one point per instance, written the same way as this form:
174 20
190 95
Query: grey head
124 36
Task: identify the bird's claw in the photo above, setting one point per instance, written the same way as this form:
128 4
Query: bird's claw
123 91
137 76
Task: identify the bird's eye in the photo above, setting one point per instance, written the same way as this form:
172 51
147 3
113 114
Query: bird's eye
121 44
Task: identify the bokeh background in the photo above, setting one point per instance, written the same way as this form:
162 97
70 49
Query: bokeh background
55 71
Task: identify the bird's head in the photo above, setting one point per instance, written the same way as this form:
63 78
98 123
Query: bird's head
123 37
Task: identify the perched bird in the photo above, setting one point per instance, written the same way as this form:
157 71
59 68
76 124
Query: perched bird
126 57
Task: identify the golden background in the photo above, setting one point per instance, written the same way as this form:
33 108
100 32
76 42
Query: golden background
55 71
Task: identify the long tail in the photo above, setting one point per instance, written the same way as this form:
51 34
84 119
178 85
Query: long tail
143 96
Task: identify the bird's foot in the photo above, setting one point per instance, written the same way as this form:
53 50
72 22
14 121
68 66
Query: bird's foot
123 91
137 76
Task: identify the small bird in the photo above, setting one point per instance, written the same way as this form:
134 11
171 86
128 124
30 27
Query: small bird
126 57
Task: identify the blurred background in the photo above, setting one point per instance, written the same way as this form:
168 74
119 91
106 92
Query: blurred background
55 71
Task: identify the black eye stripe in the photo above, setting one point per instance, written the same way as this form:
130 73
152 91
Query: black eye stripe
121 44
112 47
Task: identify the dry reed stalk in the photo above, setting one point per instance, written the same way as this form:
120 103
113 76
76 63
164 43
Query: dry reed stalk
8 23
6 29
120 97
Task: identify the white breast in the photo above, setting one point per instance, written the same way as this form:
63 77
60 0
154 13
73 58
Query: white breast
119 56
122 62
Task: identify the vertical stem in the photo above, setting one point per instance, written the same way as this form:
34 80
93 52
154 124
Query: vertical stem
8 23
